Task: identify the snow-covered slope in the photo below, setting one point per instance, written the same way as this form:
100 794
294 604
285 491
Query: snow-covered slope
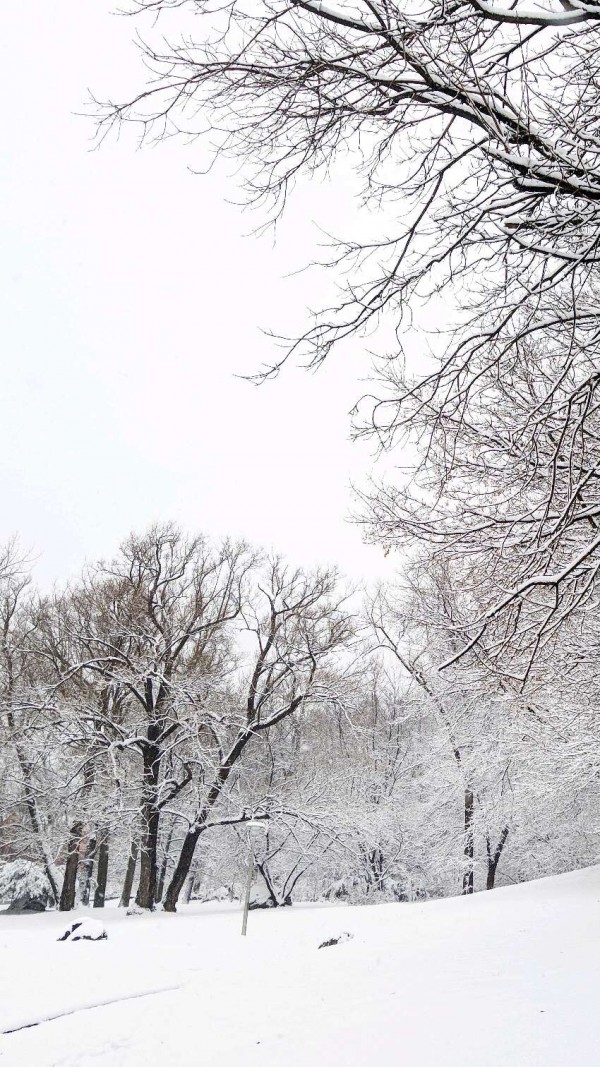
504 979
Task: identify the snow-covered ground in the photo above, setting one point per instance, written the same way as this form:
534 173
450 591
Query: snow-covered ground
503 979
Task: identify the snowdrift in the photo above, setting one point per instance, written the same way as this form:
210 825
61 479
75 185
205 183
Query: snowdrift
502 979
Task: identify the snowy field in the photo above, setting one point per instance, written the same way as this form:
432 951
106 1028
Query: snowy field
503 979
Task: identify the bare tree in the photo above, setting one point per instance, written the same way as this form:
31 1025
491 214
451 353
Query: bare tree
440 702
375 777
18 705
297 624
148 635
416 630
472 129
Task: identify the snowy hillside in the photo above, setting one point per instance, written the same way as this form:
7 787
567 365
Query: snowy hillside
502 979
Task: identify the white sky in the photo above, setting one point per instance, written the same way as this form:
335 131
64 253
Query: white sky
129 299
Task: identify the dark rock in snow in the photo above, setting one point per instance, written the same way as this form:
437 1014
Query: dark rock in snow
27 902
336 940
84 930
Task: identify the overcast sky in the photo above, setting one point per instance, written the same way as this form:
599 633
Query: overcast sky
130 297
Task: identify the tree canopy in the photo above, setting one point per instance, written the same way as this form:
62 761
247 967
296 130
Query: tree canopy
472 128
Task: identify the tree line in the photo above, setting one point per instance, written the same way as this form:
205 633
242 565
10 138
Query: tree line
185 699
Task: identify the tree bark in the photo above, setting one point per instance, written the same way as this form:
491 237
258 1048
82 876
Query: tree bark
146 894
164 865
88 866
101 870
67 896
129 876
189 885
375 867
469 849
182 869
494 858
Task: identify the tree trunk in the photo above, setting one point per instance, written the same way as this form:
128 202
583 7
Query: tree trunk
146 894
375 867
67 896
101 870
264 872
469 849
190 841
129 876
182 869
494 858
278 900
189 885
164 865
88 866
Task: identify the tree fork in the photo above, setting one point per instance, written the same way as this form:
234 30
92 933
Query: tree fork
494 859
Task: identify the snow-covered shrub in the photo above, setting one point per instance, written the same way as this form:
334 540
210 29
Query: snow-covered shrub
22 880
